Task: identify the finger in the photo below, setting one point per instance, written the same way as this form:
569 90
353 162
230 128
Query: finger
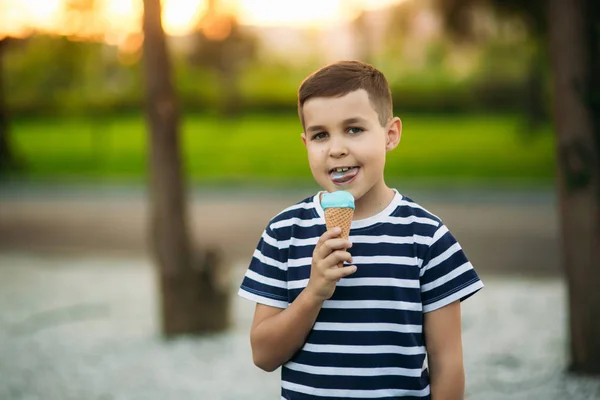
336 274
330 234
338 256
336 244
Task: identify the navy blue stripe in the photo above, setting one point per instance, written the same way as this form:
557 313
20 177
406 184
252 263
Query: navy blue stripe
297 212
359 360
367 249
371 316
441 245
291 395
454 261
264 290
457 284
365 338
267 270
272 252
383 293
355 382
365 271
298 232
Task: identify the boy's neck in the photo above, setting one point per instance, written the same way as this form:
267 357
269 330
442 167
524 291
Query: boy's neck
373 202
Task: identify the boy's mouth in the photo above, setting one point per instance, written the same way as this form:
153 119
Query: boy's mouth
343 175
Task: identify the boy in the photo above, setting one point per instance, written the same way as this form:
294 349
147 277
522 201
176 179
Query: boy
363 330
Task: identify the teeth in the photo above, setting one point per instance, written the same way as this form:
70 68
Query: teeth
341 169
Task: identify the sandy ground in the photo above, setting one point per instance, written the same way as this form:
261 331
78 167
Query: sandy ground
78 301
78 328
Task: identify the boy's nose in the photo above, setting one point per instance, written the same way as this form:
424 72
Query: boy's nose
337 148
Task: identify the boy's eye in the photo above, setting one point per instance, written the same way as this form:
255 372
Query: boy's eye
354 130
319 136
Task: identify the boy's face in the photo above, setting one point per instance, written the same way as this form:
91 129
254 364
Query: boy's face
347 145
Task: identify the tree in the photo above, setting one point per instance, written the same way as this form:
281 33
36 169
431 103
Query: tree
569 28
575 47
7 159
192 300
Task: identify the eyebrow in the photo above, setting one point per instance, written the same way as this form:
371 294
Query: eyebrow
348 121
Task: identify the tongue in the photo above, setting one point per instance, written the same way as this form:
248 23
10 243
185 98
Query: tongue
341 177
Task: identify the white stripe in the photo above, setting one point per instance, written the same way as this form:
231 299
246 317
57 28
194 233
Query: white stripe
356 282
340 349
302 242
339 371
299 284
269 240
390 239
410 220
354 394
453 297
355 224
372 304
299 262
306 206
447 278
438 234
366 327
284 244
403 283
262 300
415 205
269 261
434 262
297 222
410 261
267 281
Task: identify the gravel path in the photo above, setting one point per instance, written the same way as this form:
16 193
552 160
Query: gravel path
85 328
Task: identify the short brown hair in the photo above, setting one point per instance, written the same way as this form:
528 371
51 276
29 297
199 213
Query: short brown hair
342 77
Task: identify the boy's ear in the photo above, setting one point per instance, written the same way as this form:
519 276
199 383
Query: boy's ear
303 136
394 133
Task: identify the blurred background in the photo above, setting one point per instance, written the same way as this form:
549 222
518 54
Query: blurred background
82 296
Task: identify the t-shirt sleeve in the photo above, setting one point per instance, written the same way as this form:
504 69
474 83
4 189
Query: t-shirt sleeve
446 273
265 281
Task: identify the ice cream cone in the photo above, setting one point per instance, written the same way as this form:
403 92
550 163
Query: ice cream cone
341 217
339 210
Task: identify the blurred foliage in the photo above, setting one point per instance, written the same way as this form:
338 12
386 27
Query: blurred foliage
76 104
267 147
50 75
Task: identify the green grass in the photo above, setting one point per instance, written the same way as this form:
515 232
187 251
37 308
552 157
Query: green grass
268 148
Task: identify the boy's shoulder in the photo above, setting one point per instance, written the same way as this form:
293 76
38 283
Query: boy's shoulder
410 208
302 212
409 218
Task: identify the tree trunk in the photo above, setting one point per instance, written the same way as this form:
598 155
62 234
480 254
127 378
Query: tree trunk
7 160
191 301
574 47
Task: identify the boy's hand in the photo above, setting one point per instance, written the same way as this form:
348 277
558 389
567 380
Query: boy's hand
325 273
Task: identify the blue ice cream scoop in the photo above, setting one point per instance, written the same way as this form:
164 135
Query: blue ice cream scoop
338 199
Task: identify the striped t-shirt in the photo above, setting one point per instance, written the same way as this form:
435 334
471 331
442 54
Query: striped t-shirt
368 340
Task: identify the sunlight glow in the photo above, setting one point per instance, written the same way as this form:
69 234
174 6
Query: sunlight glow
117 19
297 13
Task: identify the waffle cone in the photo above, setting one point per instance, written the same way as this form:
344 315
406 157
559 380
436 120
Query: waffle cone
341 217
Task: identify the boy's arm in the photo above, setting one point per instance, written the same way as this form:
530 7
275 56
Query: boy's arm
444 352
276 333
